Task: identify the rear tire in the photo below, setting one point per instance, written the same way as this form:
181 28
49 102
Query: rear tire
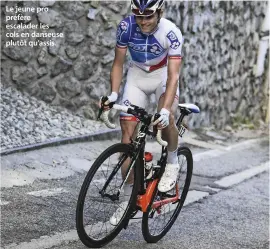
94 182
150 224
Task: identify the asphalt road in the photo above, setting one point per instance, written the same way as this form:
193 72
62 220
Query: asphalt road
40 190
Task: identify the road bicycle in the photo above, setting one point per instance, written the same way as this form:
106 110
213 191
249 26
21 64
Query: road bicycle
102 191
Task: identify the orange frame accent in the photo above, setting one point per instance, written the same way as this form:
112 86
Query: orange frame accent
143 201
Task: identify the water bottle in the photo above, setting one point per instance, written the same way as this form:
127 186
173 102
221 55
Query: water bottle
148 165
148 158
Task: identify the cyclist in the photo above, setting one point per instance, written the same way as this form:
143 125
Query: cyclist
154 44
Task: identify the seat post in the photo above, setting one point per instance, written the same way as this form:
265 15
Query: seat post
180 119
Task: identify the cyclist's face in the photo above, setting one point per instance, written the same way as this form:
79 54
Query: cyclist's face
147 23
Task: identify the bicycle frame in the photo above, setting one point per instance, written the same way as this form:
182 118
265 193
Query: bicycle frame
146 191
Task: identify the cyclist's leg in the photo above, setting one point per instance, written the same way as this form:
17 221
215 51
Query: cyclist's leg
169 134
128 128
132 95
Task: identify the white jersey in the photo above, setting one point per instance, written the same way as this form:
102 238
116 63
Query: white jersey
150 51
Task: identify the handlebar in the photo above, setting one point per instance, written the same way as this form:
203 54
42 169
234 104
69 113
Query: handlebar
131 110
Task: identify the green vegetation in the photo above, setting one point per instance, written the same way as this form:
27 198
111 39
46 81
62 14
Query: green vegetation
241 121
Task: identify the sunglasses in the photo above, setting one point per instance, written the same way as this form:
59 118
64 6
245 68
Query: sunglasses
148 14
140 18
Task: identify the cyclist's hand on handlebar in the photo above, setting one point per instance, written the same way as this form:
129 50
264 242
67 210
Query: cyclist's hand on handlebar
104 104
107 102
163 120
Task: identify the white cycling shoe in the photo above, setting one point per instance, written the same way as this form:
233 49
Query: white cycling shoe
118 214
169 178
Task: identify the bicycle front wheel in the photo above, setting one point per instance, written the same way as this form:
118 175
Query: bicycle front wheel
157 221
100 197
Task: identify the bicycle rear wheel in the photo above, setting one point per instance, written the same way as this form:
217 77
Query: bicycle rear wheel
94 207
158 221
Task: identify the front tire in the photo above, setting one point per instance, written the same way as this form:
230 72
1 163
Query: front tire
94 209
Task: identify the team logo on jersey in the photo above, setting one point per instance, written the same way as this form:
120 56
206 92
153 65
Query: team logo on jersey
154 49
122 28
124 25
137 47
173 39
137 35
175 45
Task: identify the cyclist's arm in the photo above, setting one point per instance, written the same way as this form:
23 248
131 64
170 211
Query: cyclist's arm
172 82
117 68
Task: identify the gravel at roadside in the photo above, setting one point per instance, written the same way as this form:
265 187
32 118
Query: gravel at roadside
27 120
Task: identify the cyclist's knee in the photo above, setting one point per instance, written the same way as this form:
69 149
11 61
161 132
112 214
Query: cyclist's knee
128 128
172 117
126 137
171 120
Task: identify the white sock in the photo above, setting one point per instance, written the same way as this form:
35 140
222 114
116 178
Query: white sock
127 191
172 157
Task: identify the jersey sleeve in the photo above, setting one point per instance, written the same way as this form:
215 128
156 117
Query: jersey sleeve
175 42
123 33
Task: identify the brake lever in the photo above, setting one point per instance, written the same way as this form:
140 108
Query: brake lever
155 129
101 109
99 113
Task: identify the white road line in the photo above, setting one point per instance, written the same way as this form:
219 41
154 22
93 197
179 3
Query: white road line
213 189
2 203
80 164
203 144
208 154
48 192
220 150
45 242
241 176
245 144
194 196
241 145
57 239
